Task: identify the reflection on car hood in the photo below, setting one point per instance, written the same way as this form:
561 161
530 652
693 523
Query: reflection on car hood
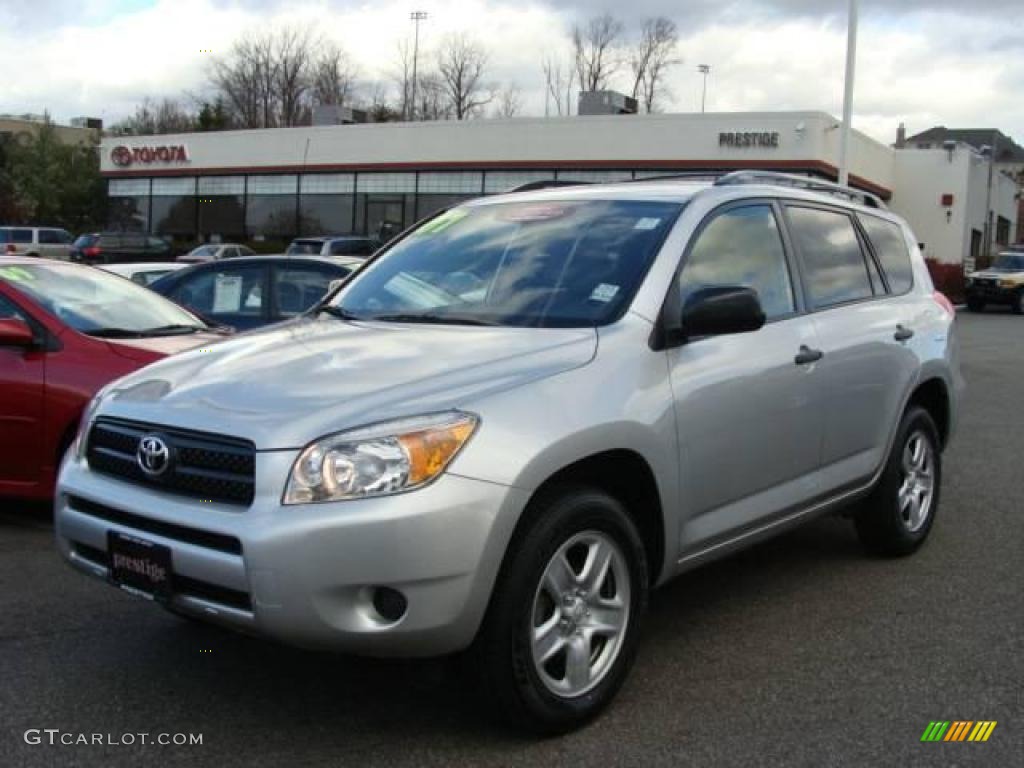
288 384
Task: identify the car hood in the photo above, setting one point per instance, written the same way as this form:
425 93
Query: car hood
152 348
288 384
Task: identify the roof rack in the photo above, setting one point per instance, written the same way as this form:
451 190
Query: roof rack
801 182
546 184
686 175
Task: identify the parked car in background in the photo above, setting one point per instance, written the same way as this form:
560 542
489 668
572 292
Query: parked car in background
65 331
119 248
47 242
1002 283
146 273
253 291
326 245
215 252
503 432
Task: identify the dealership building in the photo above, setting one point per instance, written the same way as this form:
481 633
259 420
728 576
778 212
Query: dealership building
273 184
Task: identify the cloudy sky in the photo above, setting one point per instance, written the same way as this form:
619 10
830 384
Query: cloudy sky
924 62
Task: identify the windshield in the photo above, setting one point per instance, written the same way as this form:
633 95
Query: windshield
1009 262
304 248
541 264
95 302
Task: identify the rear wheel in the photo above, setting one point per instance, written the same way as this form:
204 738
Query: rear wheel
975 305
896 518
561 632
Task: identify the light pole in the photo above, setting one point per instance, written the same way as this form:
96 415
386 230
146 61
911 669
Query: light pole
417 17
704 69
851 63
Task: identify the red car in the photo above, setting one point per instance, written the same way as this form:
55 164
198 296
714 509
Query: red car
66 330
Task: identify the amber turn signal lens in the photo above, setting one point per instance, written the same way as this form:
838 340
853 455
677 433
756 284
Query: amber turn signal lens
430 451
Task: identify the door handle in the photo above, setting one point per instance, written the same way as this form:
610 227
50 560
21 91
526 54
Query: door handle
808 355
902 334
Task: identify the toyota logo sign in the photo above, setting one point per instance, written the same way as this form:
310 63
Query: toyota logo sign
123 156
153 456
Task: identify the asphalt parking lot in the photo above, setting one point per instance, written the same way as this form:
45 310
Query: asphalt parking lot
801 651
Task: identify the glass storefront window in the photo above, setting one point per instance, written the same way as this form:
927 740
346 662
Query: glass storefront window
174 207
496 182
221 207
326 203
128 209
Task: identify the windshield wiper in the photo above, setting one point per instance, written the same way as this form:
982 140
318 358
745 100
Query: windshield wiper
339 312
172 330
432 317
113 333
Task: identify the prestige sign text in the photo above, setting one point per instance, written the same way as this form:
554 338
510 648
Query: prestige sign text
739 139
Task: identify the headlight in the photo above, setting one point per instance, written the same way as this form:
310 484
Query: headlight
79 445
378 460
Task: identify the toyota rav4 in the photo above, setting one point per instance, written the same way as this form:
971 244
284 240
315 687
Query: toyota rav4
524 415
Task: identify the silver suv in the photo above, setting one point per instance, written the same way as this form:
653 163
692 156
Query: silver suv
48 242
524 415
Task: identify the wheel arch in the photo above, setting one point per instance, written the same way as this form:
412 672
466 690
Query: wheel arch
932 394
628 477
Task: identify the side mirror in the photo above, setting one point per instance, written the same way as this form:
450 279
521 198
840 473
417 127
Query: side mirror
721 310
16 333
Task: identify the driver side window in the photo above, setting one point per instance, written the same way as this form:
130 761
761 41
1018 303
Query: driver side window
741 247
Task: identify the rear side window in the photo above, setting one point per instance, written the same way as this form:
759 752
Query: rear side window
21 236
890 247
351 248
84 241
741 246
833 262
49 237
5 235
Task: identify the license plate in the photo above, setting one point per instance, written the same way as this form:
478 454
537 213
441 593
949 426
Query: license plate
139 566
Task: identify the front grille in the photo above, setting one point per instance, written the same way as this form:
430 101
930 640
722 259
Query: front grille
183 585
206 466
201 538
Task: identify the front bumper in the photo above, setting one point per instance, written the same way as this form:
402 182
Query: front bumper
991 293
305 575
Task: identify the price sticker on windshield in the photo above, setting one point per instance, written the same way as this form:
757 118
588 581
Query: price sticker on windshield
535 212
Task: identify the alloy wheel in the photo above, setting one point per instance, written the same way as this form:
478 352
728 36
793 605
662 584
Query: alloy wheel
580 614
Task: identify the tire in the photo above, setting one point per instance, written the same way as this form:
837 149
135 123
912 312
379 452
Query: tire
895 519
976 305
1018 303
546 697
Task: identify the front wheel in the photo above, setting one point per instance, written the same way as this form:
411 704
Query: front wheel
975 305
1018 303
898 514
561 631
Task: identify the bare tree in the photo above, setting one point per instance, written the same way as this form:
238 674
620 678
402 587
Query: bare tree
652 55
432 98
595 51
461 63
265 79
559 86
334 76
293 59
510 101
152 117
402 76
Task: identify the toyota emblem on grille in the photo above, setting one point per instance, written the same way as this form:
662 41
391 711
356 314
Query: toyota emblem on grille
153 456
